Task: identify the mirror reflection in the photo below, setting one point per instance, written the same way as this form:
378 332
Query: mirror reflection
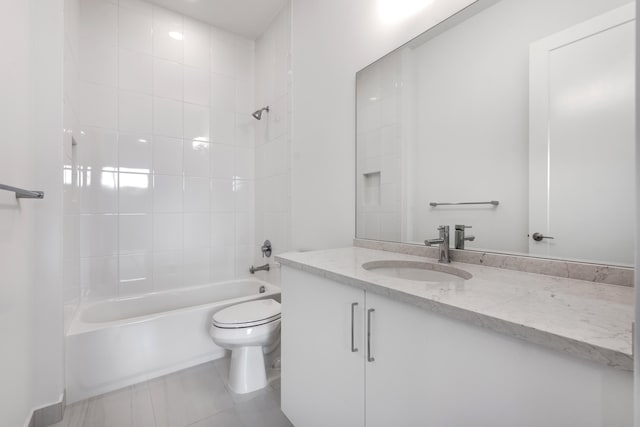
525 133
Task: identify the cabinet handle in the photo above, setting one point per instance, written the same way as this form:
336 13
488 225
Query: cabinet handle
353 347
369 357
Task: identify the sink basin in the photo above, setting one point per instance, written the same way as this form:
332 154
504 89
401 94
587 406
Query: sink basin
416 270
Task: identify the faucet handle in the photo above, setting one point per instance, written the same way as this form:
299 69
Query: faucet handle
462 226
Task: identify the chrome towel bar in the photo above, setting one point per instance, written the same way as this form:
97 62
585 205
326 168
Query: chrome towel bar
492 202
23 194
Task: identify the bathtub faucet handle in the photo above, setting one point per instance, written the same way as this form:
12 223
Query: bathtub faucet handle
266 249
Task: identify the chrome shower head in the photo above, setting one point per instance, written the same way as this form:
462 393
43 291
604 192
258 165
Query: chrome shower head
258 114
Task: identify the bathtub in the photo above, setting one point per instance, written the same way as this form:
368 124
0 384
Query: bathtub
118 342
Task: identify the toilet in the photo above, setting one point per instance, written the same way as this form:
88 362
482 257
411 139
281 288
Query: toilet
249 330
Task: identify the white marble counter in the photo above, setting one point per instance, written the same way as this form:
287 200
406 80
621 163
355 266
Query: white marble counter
585 319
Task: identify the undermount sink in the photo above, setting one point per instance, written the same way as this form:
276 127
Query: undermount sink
416 270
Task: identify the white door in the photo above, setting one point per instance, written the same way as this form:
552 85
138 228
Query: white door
582 94
322 369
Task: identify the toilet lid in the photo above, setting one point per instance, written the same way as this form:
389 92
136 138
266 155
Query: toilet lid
252 313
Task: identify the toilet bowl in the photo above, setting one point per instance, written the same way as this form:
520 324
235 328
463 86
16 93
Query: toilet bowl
249 330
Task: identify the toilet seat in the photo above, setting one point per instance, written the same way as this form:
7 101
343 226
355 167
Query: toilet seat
247 315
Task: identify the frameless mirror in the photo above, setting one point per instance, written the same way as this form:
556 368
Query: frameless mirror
514 117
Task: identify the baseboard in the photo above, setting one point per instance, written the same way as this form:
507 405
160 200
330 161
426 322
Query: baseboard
48 415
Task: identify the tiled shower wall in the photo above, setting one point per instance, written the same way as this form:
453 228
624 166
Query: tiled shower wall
166 151
71 201
273 136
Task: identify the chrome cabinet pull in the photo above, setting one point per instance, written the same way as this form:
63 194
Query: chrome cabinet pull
353 347
369 357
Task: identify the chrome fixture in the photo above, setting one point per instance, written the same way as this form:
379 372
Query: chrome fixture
370 358
460 237
258 114
262 289
23 194
539 236
354 349
443 243
253 269
266 249
491 202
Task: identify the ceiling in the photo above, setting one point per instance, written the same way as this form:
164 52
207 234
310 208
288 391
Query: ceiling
249 18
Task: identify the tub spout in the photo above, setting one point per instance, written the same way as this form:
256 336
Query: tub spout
253 269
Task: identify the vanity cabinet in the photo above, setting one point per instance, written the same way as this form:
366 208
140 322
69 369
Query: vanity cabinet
420 368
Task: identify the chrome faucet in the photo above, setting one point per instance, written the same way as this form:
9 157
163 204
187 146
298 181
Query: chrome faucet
460 237
443 243
253 269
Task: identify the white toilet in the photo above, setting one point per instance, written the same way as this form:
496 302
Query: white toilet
249 330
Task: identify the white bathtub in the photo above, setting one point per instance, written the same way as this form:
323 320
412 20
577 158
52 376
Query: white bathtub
119 342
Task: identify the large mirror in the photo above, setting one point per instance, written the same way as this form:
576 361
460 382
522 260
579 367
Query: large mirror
513 117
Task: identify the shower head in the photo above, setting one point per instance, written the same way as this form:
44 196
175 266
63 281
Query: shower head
258 114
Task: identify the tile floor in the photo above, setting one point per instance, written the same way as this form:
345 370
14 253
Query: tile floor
195 397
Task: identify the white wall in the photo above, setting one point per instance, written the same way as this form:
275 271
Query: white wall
636 350
31 360
272 136
17 231
331 40
167 151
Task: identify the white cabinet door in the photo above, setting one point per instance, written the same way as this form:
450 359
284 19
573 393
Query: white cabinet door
322 378
430 370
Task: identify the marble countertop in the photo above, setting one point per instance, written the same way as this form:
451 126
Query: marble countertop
585 319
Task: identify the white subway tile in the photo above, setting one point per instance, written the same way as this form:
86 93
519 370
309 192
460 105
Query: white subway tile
245 195
168 79
245 164
167 270
245 258
222 195
167 117
197 38
196 194
98 235
223 92
196 266
167 193
245 130
223 226
167 156
99 21
244 229
99 106
99 277
223 126
222 161
99 62
196 86
223 52
135 112
136 274
196 230
136 71
135 26
196 123
135 153
196 158
223 262
168 33
167 232
135 193
135 231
